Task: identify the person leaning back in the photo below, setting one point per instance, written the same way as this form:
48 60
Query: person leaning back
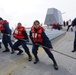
38 37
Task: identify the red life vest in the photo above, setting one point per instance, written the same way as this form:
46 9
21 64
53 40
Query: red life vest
18 32
2 25
37 36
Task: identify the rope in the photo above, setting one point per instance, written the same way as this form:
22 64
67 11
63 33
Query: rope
58 52
48 48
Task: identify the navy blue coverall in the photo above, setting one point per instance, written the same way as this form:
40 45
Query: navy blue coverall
23 43
46 42
6 39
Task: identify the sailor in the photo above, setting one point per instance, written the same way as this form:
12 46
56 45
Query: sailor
6 38
38 37
21 36
72 25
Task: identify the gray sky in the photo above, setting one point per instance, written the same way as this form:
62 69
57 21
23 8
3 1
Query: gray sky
26 11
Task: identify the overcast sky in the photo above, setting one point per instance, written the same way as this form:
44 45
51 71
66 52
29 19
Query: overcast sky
26 11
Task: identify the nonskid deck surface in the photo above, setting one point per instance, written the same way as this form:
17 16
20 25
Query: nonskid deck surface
13 64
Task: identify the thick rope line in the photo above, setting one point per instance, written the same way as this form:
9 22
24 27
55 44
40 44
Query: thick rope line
59 52
48 48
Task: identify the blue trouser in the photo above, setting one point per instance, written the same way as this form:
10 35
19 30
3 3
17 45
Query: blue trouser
75 41
35 50
7 40
23 43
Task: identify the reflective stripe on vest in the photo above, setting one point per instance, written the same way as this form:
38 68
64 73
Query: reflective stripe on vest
37 36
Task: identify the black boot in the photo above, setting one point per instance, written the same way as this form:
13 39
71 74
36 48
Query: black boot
6 50
12 51
36 60
30 58
19 52
74 50
55 66
0 46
